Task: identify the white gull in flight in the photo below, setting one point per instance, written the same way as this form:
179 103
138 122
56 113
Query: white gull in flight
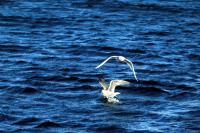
121 59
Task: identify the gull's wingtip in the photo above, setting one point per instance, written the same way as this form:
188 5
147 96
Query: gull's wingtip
97 67
129 82
136 79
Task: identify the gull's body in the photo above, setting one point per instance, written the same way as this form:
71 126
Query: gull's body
121 59
108 91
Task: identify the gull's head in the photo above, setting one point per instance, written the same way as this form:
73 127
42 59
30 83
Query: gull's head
121 58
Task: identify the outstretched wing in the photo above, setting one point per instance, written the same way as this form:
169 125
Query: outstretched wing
103 83
130 64
106 61
115 83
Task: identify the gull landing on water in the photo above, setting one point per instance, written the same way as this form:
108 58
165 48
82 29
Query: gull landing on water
109 91
121 59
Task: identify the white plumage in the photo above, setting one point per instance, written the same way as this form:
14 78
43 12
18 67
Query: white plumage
121 59
108 91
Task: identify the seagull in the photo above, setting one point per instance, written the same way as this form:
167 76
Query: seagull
121 59
109 91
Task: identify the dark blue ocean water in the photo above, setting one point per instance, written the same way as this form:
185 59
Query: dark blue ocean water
49 51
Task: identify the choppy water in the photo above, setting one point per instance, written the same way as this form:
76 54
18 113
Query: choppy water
49 51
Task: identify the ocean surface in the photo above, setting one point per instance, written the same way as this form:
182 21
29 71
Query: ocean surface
49 51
